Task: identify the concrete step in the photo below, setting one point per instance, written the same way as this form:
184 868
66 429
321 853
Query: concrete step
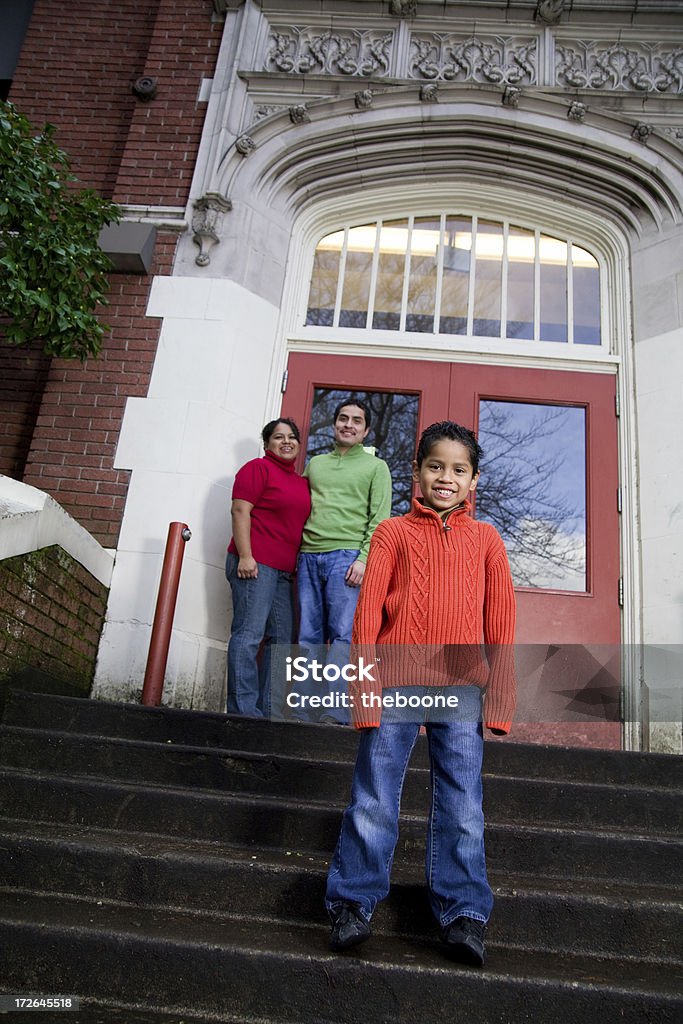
591 918
507 799
277 823
197 728
240 969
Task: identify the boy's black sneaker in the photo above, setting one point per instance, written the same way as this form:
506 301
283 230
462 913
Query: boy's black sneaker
349 928
464 940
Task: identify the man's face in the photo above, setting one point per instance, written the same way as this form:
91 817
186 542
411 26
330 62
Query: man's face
349 426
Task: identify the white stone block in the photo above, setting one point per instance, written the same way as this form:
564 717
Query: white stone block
183 297
192 361
151 434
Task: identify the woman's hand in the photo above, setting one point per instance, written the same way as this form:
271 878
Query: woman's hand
247 568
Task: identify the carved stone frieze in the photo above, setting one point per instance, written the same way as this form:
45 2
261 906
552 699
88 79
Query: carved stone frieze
342 52
645 67
493 59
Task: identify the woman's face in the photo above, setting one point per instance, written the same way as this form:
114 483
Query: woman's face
283 442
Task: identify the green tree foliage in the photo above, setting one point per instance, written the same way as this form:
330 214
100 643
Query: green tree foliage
53 273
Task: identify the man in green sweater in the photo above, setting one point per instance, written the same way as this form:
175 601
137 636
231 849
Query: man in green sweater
350 495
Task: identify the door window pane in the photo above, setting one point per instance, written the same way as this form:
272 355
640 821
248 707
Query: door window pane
553 289
533 489
488 276
424 248
357 275
521 255
586 282
456 275
391 264
393 432
323 293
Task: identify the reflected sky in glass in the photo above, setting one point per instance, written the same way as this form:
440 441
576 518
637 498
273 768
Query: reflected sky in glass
393 432
533 489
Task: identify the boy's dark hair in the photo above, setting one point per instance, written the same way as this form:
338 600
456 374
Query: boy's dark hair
451 432
351 400
269 429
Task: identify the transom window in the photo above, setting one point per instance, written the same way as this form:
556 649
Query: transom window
454 274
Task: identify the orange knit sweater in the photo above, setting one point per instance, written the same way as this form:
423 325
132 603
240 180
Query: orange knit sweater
434 592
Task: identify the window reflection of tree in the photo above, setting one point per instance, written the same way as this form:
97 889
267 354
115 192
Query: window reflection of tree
393 433
541 525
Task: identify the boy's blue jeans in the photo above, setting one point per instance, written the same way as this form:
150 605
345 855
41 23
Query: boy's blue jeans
455 862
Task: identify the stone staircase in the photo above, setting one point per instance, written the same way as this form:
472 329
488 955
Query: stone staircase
166 865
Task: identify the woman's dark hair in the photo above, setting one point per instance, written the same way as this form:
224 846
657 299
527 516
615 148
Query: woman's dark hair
361 405
451 432
269 429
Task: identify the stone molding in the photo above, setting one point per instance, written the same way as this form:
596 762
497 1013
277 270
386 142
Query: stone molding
493 60
349 52
643 67
544 57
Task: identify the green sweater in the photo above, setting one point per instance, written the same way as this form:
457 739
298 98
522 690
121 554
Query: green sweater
350 495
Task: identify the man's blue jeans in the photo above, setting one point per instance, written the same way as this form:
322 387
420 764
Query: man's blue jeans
262 610
455 862
327 605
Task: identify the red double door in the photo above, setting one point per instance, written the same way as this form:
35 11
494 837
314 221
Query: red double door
549 483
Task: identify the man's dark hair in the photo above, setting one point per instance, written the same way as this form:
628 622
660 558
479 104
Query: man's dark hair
269 429
450 431
361 405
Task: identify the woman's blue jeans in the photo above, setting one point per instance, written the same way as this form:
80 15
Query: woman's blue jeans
262 610
455 862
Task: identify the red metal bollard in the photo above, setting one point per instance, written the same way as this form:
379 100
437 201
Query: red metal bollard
178 535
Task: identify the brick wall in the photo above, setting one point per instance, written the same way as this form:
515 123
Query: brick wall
77 429
23 373
51 615
76 70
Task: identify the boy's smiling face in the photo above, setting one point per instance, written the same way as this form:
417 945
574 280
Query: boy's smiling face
446 476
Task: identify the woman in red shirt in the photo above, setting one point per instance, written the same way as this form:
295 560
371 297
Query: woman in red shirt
270 504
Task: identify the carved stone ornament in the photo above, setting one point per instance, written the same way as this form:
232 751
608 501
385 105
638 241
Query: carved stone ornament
245 145
364 99
303 51
645 67
299 115
206 220
549 11
403 8
492 60
511 96
577 111
429 93
642 132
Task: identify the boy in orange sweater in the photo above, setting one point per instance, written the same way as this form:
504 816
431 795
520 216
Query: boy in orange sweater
437 588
